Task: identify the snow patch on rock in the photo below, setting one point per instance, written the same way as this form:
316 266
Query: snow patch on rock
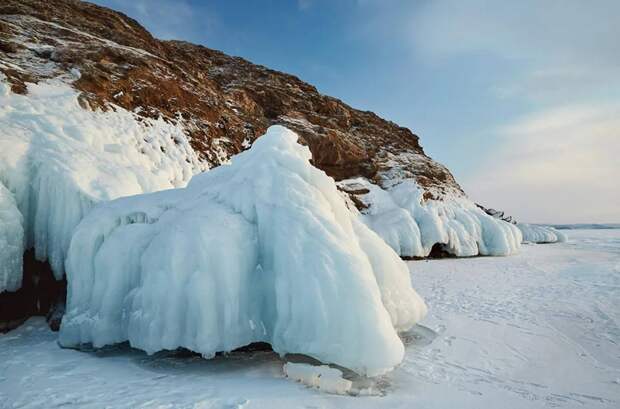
261 250
412 225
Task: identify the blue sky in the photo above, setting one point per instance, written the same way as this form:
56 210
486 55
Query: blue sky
521 100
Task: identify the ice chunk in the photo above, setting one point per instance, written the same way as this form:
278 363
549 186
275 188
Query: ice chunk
263 249
412 226
534 233
11 242
322 377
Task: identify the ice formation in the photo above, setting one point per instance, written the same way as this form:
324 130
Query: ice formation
533 233
412 226
57 160
263 249
322 377
11 242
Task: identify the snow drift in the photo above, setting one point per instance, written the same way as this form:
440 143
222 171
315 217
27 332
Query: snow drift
412 225
58 159
263 249
533 233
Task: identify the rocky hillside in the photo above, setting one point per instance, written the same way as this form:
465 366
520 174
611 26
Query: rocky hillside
224 102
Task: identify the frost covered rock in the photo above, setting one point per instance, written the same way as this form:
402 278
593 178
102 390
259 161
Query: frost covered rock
11 242
533 233
263 249
412 225
59 159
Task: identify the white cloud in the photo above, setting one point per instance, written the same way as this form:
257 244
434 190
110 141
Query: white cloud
562 47
564 31
561 165
304 4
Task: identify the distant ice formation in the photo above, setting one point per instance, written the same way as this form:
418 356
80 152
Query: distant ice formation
534 233
412 225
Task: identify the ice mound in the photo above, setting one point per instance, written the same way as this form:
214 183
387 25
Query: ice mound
11 242
58 159
412 226
263 249
533 233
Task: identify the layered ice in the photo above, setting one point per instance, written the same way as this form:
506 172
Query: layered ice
57 160
534 233
412 226
11 242
263 249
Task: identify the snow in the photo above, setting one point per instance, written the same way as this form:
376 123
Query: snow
536 330
534 233
11 242
57 160
539 329
261 250
412 226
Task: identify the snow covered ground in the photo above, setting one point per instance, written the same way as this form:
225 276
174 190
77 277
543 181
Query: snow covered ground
539 329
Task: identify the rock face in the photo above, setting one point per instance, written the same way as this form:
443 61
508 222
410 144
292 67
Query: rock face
224 102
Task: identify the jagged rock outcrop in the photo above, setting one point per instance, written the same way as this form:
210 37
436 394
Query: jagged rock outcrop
498 214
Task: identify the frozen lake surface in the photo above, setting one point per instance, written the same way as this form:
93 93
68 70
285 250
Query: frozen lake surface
535 330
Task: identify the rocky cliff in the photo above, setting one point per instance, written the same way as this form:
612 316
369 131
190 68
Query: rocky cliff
225 102
93 108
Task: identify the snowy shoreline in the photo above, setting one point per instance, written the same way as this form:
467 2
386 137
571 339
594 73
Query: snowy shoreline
534 330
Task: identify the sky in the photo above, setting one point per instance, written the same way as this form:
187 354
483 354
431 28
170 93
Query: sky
519 99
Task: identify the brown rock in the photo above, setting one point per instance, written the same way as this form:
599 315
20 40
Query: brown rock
224 101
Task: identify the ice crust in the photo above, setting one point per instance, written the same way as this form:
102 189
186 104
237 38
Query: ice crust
57 160
321 377
533 233
263 249
412 226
